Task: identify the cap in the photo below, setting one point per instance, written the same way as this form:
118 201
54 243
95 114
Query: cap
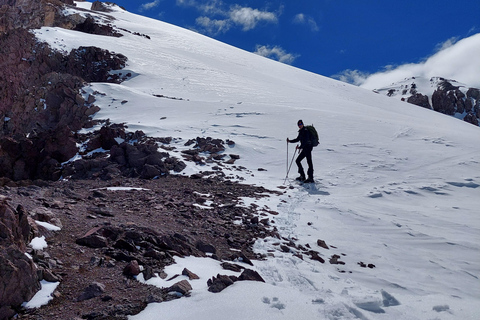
300 122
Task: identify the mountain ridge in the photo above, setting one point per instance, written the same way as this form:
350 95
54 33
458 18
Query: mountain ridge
439 94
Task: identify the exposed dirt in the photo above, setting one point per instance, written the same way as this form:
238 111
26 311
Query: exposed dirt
185 215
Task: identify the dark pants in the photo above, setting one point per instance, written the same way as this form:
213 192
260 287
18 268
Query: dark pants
305 153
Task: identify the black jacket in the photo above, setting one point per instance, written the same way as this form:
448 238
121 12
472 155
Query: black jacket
304 138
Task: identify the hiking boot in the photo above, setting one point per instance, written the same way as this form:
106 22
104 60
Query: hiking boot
309 180
301 178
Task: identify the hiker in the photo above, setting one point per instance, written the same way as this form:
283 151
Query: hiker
304 136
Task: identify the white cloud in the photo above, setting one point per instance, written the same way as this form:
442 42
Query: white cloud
248 18
459 61
217 19
304 19
446 44
149 5
213 26
275 53
354 77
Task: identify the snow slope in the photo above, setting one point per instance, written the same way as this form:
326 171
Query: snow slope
397 186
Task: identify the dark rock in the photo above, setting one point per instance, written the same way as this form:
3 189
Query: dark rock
132 269
250 275
100 6
123 244
335 259
471 118
204 247
92 239
95 289
420 100
241 258
148 273
323 244
220 282
18 274
232 267
315 256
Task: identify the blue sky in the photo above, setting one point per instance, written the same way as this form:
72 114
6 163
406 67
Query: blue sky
328 37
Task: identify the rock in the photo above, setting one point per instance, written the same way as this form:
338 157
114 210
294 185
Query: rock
49 276
232 267
204 247
323 244
190 274
18 274
241 258
335 259
100 6
132 269
420 100
183 287
315 256
250 275
92 239
150 172
95 289
148 273
220 282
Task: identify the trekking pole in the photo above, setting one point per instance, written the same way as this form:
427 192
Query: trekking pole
286 168
290 165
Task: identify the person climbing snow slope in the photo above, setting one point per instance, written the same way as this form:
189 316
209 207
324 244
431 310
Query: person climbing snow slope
306 146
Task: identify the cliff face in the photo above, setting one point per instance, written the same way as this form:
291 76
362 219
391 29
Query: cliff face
27 14
42 105
41 100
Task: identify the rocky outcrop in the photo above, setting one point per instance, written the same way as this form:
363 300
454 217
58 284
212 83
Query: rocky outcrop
41 98
28 14
18 273
449 97
419 100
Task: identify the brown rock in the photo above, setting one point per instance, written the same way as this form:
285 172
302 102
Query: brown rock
183 287
190 274
18 274
323 244
132 269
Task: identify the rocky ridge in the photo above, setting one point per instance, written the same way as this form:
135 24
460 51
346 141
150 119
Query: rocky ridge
439 94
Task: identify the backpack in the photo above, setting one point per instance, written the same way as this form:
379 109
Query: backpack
313 135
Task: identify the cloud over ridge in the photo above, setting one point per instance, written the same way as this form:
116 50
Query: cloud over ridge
275 53
457 60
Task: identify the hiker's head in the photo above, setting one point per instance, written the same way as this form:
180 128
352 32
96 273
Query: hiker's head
300 123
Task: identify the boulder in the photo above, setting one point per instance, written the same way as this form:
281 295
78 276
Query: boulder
132 269
419 100
183 287
95 289
220 282
18 274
